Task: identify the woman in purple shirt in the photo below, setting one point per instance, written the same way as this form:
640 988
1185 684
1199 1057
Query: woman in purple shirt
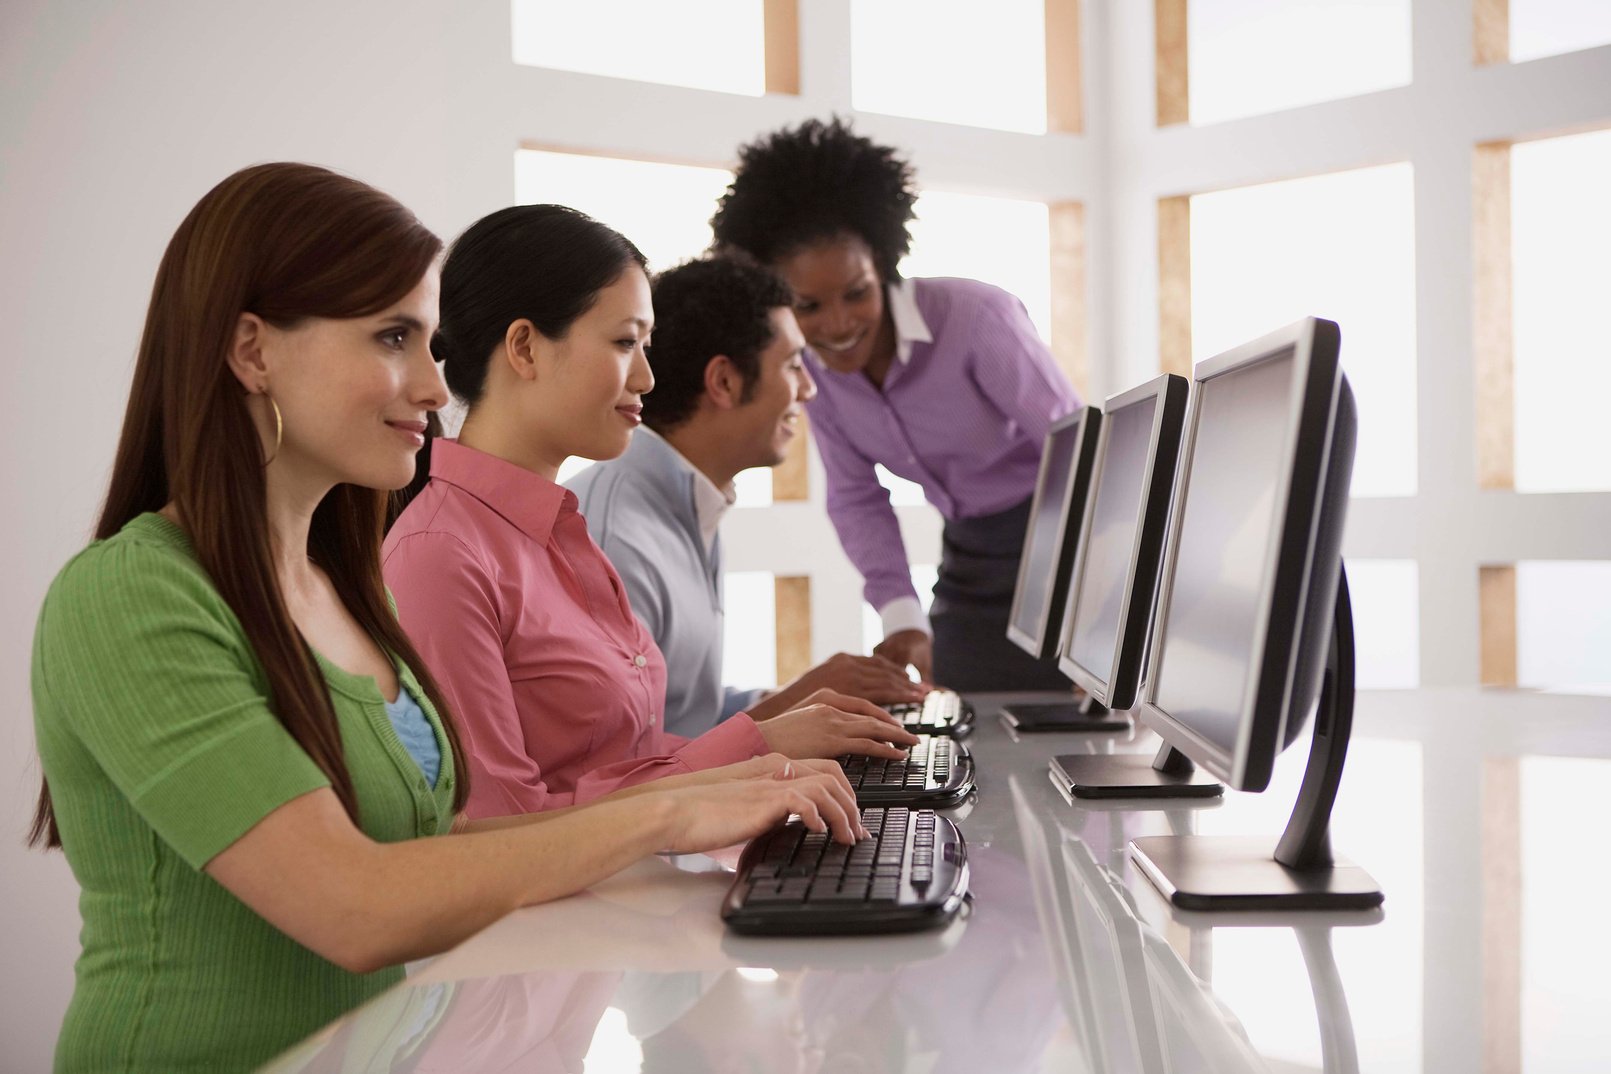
942 381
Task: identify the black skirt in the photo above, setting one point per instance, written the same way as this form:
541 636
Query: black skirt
972 603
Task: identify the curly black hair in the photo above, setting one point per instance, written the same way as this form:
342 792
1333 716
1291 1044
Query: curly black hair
798 186
703 308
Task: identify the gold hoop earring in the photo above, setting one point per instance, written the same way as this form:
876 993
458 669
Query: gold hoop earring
279 428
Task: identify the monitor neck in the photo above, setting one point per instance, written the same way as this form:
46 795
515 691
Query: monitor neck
1306 844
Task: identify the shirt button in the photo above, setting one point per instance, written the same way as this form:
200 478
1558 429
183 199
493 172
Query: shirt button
651 718
640 660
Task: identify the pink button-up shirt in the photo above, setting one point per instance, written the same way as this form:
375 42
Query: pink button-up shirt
557 689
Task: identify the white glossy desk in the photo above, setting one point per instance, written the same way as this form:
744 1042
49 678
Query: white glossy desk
1479 812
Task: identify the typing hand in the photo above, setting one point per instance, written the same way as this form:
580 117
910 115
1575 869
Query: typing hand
875 678
909 647
871 677
831 723
722 814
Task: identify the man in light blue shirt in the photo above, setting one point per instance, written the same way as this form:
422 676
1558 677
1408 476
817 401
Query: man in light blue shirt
730 386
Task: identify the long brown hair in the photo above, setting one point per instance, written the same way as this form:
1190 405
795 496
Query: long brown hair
286 242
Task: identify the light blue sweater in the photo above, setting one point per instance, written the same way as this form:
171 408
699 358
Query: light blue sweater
640 509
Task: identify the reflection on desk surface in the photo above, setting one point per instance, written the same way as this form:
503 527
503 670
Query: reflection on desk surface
1475 810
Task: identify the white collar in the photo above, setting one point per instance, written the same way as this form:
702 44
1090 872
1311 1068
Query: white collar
907 319
710 502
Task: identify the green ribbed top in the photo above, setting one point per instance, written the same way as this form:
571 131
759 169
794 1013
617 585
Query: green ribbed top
156 734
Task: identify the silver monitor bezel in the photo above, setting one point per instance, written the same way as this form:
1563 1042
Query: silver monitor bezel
1078 420
1088 679
1299 339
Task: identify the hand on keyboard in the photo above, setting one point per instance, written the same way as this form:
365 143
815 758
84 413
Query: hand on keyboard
722 814
870 677
832 724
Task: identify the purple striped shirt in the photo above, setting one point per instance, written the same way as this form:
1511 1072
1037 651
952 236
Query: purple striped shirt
964 416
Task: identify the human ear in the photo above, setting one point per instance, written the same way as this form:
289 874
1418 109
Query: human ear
522 344
246 357
723 384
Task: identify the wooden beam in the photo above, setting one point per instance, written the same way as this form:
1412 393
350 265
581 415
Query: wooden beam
1490 37
1493 340
1065 99
793 597
1068 293
1496 602
1170 67
1174 285
1501 916
791 478
782 32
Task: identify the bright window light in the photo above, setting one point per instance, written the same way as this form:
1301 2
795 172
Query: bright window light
953 61
902 493
924 575
664 209
1563 631
753 487
1004 241
706 44
749 629
1560 229
1387 623
1248 57
573 466
1550 27
1339 246
613 1046
1562 1008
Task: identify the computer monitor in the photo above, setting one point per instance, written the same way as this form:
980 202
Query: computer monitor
1038 599
1252 613
1109 609
1115 576
1054 514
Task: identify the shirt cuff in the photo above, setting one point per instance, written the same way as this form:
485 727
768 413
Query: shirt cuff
904 613
729 742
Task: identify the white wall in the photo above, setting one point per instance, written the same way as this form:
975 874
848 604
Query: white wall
114 119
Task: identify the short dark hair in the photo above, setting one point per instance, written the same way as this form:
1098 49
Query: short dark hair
703 308
800 186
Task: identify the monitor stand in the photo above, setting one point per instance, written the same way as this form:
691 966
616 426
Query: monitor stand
1235 873
1076 714
1168 774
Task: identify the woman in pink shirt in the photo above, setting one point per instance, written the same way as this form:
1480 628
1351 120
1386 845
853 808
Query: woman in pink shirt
545 318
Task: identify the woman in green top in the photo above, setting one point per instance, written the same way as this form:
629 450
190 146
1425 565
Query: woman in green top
211 677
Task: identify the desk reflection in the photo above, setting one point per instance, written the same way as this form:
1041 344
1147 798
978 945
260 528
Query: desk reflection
743 1004
536 1023
1134 1003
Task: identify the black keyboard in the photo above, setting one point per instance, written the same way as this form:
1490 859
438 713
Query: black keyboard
941 712
911 874
938 771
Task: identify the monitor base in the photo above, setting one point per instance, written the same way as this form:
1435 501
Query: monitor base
1086 715
1128 775
1238 873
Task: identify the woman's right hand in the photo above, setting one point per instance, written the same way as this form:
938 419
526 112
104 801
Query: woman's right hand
723 814
831 723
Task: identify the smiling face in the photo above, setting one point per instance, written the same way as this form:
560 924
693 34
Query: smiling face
766 423
352 393
839 302
589 385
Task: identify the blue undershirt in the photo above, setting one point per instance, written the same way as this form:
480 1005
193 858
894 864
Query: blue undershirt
417 734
